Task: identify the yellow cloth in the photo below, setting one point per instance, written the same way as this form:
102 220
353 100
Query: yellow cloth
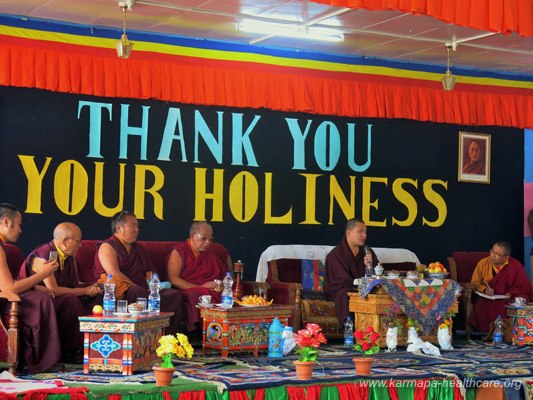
61 258
485 271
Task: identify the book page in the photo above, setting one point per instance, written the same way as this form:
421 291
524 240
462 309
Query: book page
494 296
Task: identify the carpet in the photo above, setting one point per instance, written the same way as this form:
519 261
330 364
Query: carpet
469 364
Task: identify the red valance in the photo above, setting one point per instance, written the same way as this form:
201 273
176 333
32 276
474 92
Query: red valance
185 79
503 16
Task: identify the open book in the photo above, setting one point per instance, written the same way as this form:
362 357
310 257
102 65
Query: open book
494 296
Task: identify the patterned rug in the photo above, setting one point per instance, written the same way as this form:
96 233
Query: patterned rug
470 364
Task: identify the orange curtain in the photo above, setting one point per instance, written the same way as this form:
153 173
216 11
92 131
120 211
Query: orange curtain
86 70
503 16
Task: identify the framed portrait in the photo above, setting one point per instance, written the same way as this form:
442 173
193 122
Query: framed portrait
474 157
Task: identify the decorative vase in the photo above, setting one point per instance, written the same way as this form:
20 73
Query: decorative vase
304 369
363 365
163 376
392 338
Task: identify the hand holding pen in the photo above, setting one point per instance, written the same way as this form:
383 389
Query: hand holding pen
488 290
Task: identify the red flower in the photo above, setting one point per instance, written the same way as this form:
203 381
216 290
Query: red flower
366 340
359 334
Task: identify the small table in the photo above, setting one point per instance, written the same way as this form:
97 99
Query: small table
522 323
121 344
371 310
240 328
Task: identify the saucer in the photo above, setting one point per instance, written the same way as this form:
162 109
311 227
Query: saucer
517 305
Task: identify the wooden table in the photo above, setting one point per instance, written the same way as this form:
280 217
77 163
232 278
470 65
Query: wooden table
240 328
370 310
121 344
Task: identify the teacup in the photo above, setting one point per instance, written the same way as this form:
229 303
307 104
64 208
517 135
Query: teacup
378 269
205 299
520 301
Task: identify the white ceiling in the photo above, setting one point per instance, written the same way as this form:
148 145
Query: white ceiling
382 34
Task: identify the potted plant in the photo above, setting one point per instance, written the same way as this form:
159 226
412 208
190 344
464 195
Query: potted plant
308 341
412 327
392 322
366 342
170 345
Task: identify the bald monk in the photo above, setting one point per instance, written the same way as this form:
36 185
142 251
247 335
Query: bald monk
72 299
40 348
128 263
193 265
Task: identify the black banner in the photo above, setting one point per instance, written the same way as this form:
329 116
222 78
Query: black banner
260 177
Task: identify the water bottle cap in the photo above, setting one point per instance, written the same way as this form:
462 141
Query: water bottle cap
154 275
109 276
228 274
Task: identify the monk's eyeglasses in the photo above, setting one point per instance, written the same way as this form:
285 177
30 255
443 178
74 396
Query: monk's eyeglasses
204 238
496 254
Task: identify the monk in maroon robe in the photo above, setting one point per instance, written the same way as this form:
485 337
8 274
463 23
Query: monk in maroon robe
475 163
193 266
130 265
39 338
345 263
72 298
498 274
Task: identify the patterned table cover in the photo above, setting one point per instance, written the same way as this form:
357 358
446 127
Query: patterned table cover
421 299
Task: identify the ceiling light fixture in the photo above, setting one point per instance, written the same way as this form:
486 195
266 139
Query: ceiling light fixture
124 46
292 30
448 80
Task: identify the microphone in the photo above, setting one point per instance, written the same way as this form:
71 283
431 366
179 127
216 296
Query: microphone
368 268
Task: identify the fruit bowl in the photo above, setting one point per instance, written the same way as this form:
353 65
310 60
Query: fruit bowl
135 308
436 275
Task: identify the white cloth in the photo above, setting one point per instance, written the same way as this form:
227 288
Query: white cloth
385 255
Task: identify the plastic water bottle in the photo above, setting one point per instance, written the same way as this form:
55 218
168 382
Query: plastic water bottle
227 292
348 332
497 336
109 296
154 299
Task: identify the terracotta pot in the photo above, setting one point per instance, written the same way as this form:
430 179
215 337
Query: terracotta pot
304 369
163 376
363 365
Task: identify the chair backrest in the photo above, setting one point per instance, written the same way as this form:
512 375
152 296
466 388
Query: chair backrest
15 257
285 263
463 263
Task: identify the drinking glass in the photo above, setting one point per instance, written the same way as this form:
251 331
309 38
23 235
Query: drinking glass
122 306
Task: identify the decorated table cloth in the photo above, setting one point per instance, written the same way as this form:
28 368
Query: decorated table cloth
421 299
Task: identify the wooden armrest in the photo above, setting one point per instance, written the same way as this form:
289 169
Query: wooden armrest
452 267
256 286
9 296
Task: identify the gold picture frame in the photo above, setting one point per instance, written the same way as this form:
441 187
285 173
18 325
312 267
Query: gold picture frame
474 157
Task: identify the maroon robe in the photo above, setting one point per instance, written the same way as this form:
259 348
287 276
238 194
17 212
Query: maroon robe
39 338
135 265
511 279
342 267
474 168
197 269
68 306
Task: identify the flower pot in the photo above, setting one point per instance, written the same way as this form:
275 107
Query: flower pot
363 365
304 369
163 376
